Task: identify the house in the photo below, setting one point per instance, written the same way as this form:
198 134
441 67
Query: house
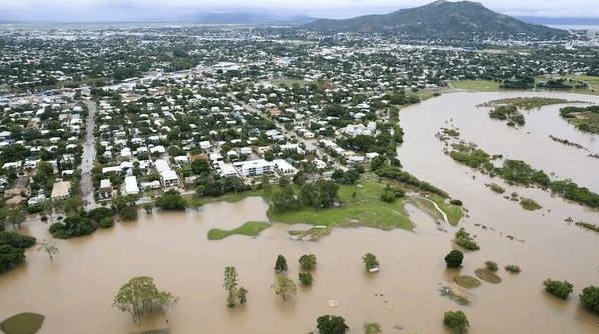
150 185
284 168
131 185
61 190
105 190
319 164
257 167
169 178
226 170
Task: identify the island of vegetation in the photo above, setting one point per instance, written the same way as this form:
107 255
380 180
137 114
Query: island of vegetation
519 172
250 229
584 118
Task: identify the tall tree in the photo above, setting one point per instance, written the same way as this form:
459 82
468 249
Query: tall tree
141 298
230 284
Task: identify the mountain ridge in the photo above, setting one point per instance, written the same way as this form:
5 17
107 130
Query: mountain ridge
442 19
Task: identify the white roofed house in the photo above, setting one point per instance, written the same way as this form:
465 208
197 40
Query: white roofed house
131 185
105 190
169 179
284 168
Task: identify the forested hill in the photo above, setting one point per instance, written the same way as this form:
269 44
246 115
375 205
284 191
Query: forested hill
441 19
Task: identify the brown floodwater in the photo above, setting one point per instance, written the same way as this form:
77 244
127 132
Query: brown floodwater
75 292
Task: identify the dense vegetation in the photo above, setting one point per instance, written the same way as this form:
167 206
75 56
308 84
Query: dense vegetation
456 321
404 177
73 226
12 246
320 194
519 172
463 239
331 324
559 289
171 200
454 259
590 298
584 118
508 113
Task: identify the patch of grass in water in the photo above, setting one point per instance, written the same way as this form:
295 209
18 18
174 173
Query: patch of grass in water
496 188
454 212
23 323
487 275
467 282
529 204
250 229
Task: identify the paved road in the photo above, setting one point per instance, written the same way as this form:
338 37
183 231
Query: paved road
87 163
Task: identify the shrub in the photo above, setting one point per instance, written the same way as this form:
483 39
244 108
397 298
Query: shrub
559 289
491 266
307 261
372 328
590 298
129 213
370 261
456 321
463 239
455 202
306 279
512 268
106 222
281 264
331 324
454 259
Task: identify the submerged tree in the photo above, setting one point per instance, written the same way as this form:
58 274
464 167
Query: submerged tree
281 264
307 261
370 261
230 284
141 298
285 287
49 248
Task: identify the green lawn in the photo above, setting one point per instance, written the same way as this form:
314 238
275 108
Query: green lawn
454 212
251 229
477 85
365 209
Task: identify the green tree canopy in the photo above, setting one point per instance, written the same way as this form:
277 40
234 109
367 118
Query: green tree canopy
307 261
331 324
454 259
171 200
141 298
457 321
590 298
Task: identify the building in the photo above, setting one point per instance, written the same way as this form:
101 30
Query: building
257 167
284 168
105 190
131 185
169 178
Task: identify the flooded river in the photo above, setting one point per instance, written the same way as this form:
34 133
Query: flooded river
75 292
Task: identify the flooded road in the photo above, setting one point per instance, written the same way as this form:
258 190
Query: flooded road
75 292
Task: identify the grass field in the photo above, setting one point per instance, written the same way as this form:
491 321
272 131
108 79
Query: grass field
454 212
364 209
487 276
251 229
477 85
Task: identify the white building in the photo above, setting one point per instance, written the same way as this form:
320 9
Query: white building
131 185
284 168
257 167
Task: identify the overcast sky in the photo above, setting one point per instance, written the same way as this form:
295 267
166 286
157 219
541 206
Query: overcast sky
119 10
